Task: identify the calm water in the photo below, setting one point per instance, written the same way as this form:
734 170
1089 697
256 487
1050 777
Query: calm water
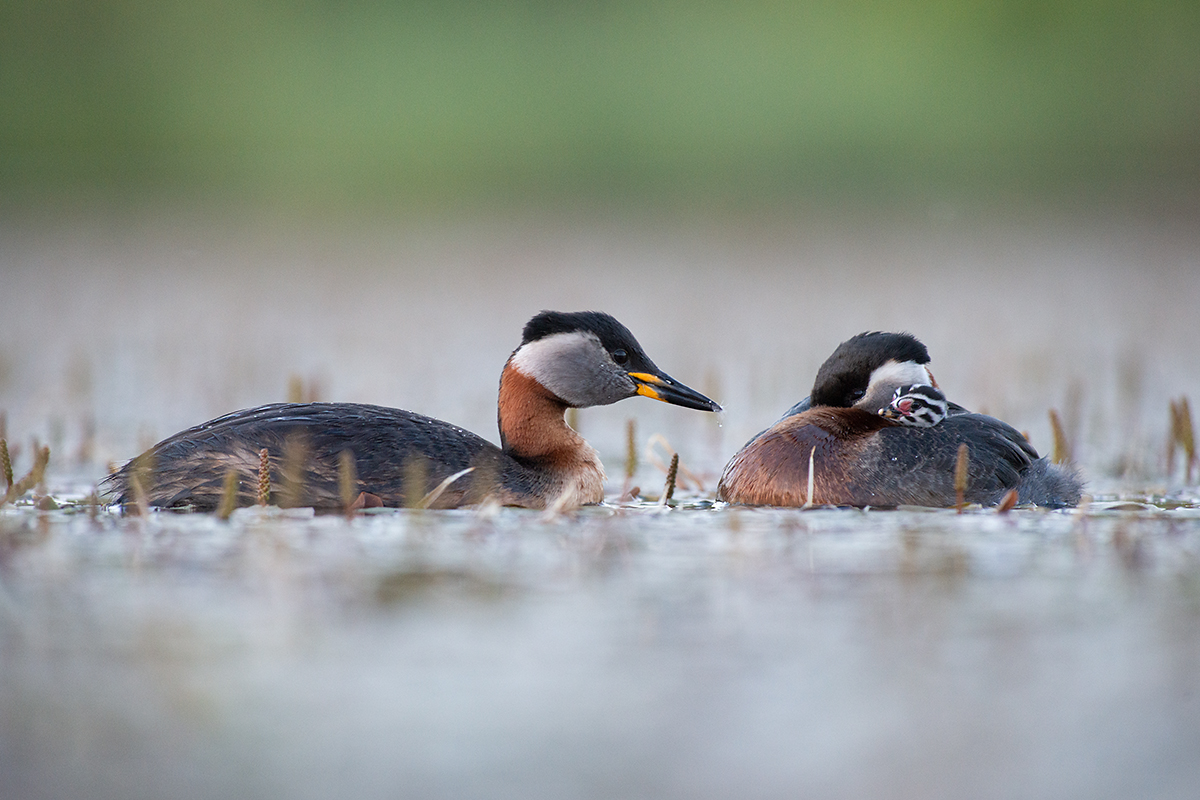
620 652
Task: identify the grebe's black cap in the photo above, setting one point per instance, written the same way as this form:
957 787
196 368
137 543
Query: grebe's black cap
848 370
625 352
612 334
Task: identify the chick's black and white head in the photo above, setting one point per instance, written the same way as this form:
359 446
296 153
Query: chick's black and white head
587 358
865 371
917 406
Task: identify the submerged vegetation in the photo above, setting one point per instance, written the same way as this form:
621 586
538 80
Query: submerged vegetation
34 479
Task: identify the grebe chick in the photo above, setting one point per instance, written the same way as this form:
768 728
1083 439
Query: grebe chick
860 457
918 405
565 360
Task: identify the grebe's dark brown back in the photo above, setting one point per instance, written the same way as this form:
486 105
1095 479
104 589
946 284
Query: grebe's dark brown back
861 457
565 360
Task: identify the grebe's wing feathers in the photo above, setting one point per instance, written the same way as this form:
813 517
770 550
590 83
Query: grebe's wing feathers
915 466
188 469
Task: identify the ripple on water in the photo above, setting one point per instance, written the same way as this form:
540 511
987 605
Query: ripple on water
695 651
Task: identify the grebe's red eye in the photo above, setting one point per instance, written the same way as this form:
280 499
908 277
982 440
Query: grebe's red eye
620 356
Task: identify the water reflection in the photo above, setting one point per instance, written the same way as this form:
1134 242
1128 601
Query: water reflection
693 653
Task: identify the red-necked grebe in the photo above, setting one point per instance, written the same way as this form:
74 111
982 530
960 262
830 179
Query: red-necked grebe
860 457
566 360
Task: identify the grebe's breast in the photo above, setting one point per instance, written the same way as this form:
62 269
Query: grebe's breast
772 469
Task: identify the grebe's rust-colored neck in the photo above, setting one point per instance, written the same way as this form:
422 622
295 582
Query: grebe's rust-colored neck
532 420
533 429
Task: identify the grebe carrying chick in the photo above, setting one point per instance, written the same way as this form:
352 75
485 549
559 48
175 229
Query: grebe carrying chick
565 360
878 432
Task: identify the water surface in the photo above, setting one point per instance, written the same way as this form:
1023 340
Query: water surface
617 652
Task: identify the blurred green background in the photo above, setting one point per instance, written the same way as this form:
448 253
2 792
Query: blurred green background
326 105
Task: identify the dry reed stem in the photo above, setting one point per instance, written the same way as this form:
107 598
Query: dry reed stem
40 462
437 491
1007 502
691 478
87 442
669 487
1187 437
484 480
6 463
631 458
686 478
1062 448
141 502
293 471
812 477
1182 435
93 505
295 390
139 484
1173 436
302 391
347 481
416 478
264 477
961 466
229 494
563 503
35 476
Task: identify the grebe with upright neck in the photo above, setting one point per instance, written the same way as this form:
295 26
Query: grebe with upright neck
865 451
565 360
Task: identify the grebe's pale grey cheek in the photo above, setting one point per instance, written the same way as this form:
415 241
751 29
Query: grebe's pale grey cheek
576 368
886 379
